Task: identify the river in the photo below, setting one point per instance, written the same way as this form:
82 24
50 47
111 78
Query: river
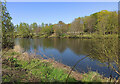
100 54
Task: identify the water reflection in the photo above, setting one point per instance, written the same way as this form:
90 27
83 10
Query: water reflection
78 46
103 53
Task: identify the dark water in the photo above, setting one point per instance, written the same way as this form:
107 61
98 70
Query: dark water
101 52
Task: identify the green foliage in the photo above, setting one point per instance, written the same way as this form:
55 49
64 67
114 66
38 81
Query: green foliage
36 70
47 30
92 76
45 71
7 28
60 28
100 23
23 29
41 71
77 26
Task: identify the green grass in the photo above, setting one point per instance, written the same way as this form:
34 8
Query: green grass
95 77
36 70
92 76
88 36
85 36
44 70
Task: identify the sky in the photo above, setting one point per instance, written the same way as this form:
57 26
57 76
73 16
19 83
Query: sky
62 0
53 12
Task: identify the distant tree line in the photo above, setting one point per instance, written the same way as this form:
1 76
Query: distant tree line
102 23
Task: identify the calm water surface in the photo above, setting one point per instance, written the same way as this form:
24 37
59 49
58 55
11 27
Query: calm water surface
69 51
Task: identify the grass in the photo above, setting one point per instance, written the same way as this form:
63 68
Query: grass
32 70
93 76
44 70
36 70
84 36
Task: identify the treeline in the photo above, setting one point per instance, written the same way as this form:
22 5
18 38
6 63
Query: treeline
101 23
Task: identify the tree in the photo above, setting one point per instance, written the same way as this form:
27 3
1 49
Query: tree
107 52
112 23
60 28
103 21
34 27
7 28
77 26
90 23
47 30
23 29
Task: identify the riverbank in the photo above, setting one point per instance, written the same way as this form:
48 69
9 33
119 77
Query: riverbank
21 67
85 36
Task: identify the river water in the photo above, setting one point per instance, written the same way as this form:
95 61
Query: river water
98 54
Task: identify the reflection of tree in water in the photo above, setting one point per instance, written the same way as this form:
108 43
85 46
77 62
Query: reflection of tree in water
25 43
79 46
35 43
47 43
106 51
60 44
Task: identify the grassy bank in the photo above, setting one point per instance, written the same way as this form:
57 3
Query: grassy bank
25 69
19 67
85 36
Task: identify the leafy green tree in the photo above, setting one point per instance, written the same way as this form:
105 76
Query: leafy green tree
60 28
77 26
112 23
107 22
90 23
47 30
102 21
34 27
23 30
7 28
107 52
